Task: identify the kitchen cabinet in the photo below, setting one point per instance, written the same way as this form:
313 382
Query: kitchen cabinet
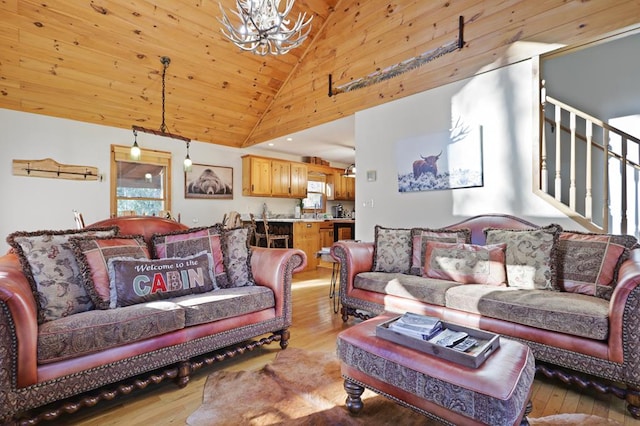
326 234
280 178
306 237
270 177
299 178
344 188
256 176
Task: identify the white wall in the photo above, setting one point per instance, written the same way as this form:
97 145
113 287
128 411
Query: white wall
601 80
30 203
501 102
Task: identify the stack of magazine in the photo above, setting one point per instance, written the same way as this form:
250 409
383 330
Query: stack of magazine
418 326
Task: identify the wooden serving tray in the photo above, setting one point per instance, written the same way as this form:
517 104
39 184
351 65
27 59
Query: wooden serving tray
474 357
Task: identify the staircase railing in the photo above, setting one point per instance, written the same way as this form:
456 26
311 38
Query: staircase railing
590 167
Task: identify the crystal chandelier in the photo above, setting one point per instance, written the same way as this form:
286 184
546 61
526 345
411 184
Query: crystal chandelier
263 29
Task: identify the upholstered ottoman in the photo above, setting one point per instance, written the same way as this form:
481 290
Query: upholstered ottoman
496 393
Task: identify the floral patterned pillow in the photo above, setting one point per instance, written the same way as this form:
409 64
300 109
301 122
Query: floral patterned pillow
466 263
237 257
531 255
192 241
50 266
420 237
93 255
588 263
392 250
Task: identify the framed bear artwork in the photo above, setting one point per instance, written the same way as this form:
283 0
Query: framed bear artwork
209 182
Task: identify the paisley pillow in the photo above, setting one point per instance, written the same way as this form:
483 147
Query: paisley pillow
420 237
466 263
93 255
531 255
392 250
50 265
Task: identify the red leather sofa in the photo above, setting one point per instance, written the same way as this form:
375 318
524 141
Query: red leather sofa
610 358
26 384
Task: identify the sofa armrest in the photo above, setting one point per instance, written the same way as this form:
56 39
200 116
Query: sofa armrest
354 257
18 324
624 314
274 268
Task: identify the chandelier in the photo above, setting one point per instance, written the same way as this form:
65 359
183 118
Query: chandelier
136 153
263 29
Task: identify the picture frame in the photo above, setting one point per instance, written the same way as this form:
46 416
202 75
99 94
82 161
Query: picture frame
441 161
209 182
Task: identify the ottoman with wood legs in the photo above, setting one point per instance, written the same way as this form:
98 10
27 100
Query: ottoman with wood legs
496 393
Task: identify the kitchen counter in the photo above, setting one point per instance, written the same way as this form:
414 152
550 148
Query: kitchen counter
292 220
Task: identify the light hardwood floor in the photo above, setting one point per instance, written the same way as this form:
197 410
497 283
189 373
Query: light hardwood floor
315 327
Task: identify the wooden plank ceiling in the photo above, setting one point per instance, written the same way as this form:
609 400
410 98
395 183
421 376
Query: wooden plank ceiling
98 60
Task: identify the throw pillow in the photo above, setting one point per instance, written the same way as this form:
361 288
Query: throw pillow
192 241
531 255
392 250
50 266
588 263
134 281
420 237
93 254
237 257
466 263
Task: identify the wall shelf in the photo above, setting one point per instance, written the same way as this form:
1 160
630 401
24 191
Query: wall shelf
49 168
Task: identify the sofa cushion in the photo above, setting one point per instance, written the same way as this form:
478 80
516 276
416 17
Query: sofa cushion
420 237
392 250
237 257
135 281
427 290
90 332
192 241
531 255
225 303
588 263
466 263
562 312
50 266
93 254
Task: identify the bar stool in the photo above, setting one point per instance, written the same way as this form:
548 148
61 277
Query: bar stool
334 296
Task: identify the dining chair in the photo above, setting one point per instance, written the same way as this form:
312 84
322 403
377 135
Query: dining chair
270 238
266 236
77 216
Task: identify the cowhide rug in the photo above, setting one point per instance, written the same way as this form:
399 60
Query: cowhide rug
305 388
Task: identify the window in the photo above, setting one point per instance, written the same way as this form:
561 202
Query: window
316 187
140 187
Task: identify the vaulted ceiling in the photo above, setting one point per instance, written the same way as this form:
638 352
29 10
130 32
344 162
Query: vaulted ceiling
98 60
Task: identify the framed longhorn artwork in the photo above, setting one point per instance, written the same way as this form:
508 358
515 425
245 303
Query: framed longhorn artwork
446 160
209 182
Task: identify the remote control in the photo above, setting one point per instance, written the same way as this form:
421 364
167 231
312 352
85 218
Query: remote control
452 338
466 344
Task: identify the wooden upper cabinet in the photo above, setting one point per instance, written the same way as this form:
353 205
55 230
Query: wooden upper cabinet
299 178
344 188
270 177
256 176
280 178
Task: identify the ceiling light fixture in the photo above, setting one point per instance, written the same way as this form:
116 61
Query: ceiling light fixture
165 60
135 153
263 29
350 171
187 161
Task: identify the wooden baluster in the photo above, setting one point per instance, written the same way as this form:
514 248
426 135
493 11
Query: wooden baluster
558 181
